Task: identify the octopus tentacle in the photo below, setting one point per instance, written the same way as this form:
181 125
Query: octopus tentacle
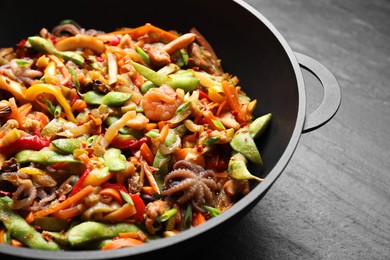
178 174
179 187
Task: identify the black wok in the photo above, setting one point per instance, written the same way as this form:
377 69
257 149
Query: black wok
249 47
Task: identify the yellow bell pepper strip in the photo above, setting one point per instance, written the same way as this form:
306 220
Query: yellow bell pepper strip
81 41
15 88
33 91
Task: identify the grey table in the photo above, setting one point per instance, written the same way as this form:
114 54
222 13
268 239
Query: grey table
333 199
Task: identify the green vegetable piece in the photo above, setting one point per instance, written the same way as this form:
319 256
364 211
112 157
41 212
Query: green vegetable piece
237 168
44 156
66 145
70 55
91 231
167 215
126 197
113 98
41 44
258 126
147 85
144 56
22 231
243 142
54 126
51 223
45 46
213 211
187 83
114 160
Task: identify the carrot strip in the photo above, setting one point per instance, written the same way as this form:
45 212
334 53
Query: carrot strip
24 110
30 217
15 112
122 242
112 193
66 203
163 133
221 106
144 29
150 177
199 219
233 100
148 190
147 153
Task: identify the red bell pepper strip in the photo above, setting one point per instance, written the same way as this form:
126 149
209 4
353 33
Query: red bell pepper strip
77 186
121 142
25 142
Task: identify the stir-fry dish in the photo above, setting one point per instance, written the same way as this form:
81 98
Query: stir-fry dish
115 139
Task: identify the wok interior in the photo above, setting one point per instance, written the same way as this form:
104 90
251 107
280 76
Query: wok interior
246 46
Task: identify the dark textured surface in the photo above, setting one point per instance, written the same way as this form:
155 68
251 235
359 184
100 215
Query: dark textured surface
333 199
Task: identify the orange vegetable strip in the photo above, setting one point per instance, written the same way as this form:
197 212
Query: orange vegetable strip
221 106
233 100
137 235
30 217
2 231
66 203
150 177
150 126
15 112
16 243
146 153
144 29
113 193
199 219
148 190
25 109
122 242
209 116
163 133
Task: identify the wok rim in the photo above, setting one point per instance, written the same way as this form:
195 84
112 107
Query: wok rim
249 201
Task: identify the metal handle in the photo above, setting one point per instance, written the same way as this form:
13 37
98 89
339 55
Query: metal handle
332 93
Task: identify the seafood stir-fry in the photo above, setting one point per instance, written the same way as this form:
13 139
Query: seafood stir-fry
114 139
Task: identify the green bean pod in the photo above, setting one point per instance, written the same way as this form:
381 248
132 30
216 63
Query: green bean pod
22 231
91 231
114 160
66 145
185 82
45 46
243 142
45 156
237 168
113 98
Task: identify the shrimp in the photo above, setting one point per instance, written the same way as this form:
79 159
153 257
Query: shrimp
160 103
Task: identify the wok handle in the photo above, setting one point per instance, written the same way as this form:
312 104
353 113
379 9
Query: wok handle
332 93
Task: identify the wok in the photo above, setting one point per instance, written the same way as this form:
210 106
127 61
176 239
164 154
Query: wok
249 47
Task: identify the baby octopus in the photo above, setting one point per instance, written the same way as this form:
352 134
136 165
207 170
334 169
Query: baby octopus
191 183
